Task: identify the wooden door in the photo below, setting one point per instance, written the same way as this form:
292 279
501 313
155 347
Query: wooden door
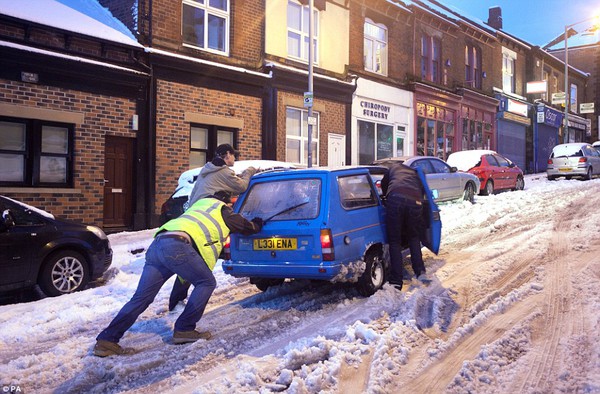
118 182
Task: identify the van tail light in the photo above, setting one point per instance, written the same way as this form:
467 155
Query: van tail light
227 248
582 159
327 245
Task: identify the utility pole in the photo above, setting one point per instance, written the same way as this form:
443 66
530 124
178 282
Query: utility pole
310 78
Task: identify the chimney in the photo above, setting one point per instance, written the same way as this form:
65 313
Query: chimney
495 18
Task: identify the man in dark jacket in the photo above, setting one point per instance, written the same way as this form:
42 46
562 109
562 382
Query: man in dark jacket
404 195
188 246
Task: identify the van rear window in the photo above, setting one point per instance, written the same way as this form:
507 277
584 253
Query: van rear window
290 199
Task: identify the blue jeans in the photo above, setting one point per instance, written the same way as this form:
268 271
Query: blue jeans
404 223
164 258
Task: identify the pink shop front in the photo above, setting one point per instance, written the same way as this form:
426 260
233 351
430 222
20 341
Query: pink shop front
448 122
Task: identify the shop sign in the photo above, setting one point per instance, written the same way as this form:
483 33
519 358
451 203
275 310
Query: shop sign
552 117
517 107
559 98
586 108
536 87
375 110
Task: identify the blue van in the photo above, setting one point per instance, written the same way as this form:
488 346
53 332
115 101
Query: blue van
320 223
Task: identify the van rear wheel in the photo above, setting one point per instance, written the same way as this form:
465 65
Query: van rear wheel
374 276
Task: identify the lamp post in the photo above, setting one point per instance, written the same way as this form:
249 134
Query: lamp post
567 87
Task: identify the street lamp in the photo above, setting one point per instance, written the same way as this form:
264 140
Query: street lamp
567 87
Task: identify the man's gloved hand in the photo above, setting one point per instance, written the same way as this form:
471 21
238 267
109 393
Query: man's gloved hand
248 172
258 222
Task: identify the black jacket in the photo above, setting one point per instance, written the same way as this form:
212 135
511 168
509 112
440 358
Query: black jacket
403 181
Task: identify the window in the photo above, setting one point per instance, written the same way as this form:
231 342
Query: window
204 140
375 141
356 192
476 135
296 139
508 70
473 66
35 153
546 77
573 98
435 131
297 22
375 47
293 199
206 24
430 58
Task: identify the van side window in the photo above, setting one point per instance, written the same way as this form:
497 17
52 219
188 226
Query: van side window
356 192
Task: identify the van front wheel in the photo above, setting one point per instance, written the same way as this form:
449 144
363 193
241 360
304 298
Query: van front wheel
374 276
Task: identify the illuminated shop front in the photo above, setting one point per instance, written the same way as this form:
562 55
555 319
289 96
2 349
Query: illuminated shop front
381 118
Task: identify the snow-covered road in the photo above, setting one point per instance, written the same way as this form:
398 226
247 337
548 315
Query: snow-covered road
513 308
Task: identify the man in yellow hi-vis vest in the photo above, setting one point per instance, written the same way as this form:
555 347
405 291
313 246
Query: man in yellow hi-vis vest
189 247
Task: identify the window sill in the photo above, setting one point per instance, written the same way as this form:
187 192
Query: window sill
39 190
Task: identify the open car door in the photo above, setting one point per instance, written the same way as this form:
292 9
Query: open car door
432 229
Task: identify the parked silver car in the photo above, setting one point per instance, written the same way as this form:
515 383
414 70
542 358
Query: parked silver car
445 182
576 159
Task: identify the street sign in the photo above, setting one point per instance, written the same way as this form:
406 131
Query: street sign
586 108
558 98
312 120
308 99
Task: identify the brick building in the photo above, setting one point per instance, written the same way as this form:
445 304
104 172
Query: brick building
173 79
70 89
584 55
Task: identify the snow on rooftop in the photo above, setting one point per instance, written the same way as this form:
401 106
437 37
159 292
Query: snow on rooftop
85 17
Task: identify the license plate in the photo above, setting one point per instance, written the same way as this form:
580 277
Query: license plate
275 244
564 169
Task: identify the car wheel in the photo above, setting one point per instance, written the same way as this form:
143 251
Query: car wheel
64 272
374 276
489 188
520 185
588 175
263 283
469 193
551 178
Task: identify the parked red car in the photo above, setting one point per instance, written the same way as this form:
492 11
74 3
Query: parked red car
495 171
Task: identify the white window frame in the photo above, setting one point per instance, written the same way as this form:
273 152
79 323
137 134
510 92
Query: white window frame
371 60
208 10
303 32
509 61
303 137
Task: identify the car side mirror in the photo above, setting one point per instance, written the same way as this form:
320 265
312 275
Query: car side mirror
7 220
453 169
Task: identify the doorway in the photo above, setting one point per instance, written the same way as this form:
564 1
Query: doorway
118 183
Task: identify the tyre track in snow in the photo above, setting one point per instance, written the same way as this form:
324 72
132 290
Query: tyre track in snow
474 297
559 308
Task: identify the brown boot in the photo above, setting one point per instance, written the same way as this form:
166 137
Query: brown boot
106 348
180 337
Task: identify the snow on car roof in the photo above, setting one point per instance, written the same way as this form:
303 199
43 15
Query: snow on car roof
186 181
467 159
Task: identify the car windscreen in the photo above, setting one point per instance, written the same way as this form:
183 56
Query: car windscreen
290 199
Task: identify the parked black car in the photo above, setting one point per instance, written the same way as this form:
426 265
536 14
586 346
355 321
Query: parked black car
36 248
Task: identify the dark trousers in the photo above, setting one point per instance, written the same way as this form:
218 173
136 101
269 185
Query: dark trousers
164 258
404 220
